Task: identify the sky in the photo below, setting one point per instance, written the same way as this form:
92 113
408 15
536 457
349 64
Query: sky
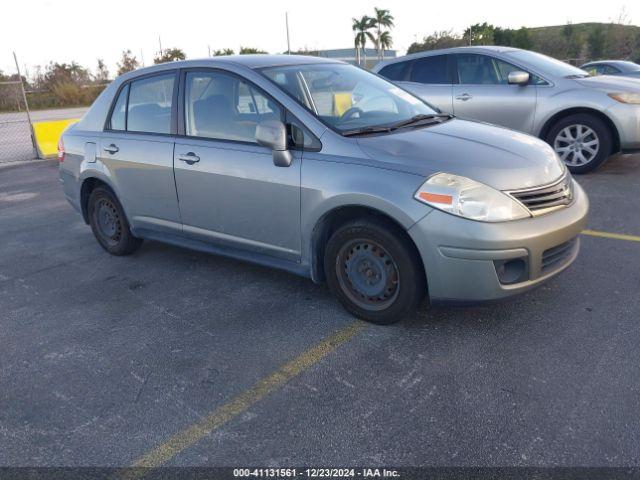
40 31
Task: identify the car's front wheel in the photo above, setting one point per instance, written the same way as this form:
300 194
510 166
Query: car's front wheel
374 271
582 141
109 223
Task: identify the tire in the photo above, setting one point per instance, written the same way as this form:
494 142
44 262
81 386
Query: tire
109 223
374 271
583 141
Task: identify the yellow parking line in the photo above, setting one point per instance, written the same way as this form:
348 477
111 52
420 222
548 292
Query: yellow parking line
617 236
187 437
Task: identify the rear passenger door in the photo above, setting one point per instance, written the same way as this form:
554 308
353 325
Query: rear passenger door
137 150
229 189
484 93
430 78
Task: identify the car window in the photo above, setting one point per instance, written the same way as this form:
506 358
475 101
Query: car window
119 113
299 135
396 71
224 107
609 70
149 107
474 69
592 70
432 70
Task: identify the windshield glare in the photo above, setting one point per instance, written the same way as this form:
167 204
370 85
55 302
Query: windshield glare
346 97
547 65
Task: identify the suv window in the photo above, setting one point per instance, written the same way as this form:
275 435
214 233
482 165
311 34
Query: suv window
149 106
224 107
432 70
395 72
475 69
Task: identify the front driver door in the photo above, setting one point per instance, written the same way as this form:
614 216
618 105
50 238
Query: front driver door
483 93
229 190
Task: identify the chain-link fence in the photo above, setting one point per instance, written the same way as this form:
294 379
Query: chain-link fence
16 137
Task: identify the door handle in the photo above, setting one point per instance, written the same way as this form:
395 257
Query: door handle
111 149
464 97
190 158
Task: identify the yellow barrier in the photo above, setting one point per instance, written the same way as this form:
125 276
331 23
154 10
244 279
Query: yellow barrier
48 133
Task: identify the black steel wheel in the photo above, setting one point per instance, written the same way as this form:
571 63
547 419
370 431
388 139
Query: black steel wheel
374 270
109 223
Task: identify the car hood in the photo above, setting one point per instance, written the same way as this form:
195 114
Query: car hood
498 157
611 83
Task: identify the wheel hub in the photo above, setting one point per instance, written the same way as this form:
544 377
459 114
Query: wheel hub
108 220
368 274
576 144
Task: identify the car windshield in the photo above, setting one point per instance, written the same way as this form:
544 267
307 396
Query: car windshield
347 98
547 65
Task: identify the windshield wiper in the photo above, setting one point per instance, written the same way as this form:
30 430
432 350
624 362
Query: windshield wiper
415 120
418 119
365 130
575 75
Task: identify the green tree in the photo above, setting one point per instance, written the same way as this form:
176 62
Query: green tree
250 50
437 40
361 28
479 34
169 55
522 39
596 42
102 73
382 19
223 52
385 43
128 62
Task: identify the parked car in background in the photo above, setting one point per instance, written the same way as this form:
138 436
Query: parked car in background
328 171
585 119
621 68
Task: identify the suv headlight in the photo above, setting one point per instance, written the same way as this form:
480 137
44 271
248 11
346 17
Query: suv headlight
469 199
626 97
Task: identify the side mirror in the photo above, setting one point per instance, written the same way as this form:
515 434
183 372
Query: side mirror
519 78
273 134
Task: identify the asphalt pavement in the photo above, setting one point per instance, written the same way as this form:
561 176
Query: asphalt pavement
111 361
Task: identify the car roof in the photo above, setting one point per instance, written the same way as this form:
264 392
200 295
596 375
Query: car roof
251 61
442 51
619 63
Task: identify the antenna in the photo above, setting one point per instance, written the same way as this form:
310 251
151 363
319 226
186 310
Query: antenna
286 18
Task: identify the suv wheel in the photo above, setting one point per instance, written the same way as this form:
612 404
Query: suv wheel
374 271
582 142
109 223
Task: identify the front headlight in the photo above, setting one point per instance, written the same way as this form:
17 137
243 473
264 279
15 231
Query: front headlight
469 199
626 97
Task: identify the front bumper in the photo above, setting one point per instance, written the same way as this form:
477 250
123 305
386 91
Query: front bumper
461 256
626 118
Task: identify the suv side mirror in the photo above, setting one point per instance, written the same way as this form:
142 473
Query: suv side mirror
519 78
273 134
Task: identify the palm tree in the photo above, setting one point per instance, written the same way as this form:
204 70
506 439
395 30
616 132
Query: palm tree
385 43
382 18
361 27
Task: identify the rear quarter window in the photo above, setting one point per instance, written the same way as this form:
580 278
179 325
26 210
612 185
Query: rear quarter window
395 71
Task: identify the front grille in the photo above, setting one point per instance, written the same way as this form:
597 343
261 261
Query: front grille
558 256
544 199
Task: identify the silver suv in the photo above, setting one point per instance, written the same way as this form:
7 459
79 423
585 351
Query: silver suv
585 119
327 171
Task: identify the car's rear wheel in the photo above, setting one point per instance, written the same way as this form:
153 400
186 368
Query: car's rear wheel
582 141
109 223
374 271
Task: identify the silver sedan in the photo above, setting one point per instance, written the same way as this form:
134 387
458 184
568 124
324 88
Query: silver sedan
585 119
327 171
